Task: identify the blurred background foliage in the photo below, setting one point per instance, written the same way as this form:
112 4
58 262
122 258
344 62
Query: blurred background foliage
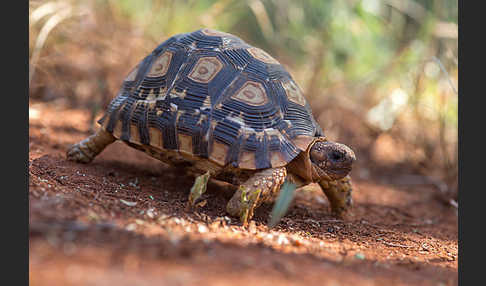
380 75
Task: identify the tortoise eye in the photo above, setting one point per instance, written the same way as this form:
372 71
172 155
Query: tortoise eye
336 156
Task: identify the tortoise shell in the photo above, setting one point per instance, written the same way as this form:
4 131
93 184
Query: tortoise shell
209 95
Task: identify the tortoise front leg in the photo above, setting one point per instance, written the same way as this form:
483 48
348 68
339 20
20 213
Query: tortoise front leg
338 193
260 187
86 150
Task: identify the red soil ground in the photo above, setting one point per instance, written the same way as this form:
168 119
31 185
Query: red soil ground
121 220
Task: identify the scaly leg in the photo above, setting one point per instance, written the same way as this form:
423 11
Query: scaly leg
260 187
338 193
86 150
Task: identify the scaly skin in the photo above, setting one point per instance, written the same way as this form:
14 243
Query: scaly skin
338 193
260 187
86 150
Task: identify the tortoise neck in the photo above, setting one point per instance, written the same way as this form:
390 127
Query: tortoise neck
302 166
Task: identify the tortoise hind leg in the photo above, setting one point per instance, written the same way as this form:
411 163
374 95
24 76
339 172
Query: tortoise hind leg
260 187
86 150
338 193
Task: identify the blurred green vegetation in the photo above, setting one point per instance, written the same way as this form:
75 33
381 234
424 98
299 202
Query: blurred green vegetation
380 75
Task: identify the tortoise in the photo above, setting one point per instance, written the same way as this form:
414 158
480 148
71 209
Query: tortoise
219 108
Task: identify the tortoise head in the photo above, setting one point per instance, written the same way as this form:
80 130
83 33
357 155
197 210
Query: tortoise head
330 160
323 161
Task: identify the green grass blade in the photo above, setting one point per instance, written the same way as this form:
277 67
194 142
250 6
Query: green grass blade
282 204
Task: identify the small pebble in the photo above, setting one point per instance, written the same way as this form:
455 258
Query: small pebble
202 228
150 213
130 204
282 240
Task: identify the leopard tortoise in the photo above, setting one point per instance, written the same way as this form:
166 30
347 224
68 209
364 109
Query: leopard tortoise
220 108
